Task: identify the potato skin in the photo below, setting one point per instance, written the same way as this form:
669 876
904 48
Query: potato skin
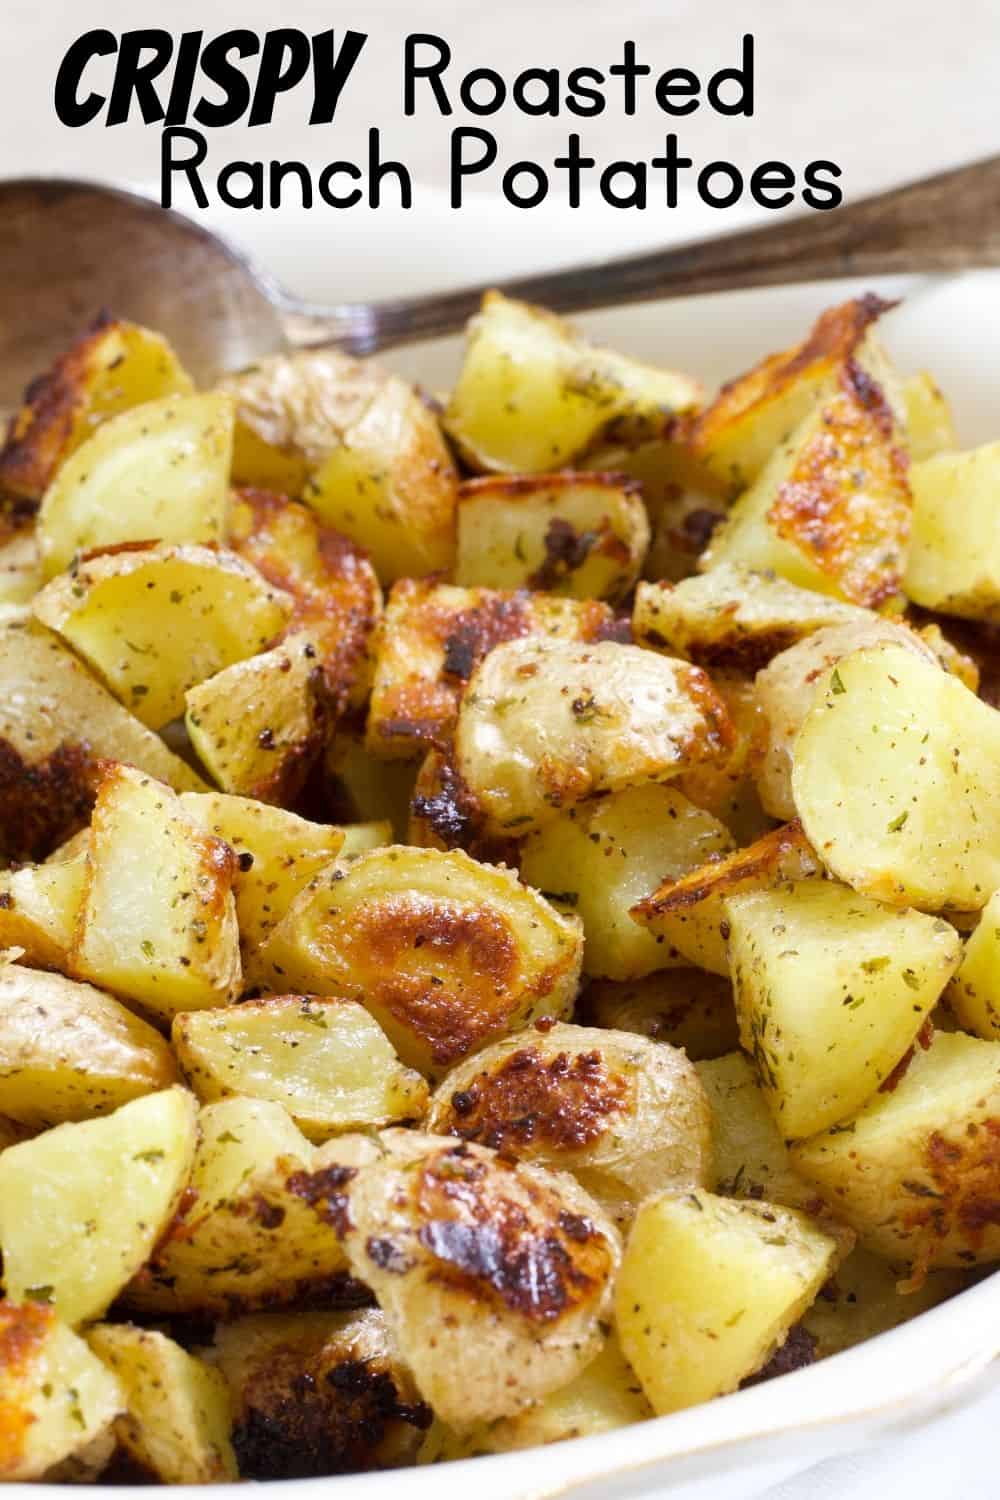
626 1115
318 1393
512 1267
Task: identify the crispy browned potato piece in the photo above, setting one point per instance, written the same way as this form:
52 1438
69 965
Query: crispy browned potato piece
110 367
432 638
626 1115
511 1266
318 1393
689 912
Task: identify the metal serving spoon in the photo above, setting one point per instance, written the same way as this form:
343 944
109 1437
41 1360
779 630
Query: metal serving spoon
69 249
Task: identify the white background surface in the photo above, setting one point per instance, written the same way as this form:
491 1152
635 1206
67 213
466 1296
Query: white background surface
889 88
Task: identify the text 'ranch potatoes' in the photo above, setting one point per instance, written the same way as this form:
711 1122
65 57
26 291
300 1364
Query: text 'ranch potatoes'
499 893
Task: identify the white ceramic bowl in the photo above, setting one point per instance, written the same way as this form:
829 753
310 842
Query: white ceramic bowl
731 1448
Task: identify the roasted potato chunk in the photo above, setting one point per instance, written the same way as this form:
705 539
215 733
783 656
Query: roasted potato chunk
360 446
613 851
892 775
82 1206
432 638
750 1157
154 621
788 685
177 1413
248 1234
583 535
727 787
751 416
831 990
327 1061
830 510
158 920
732 618
709 1287
930 426
69 1052
627 1116
56 1398
916 1172
974 994
112 367
532 394
688 1008
445 953
56 724
956 569
39 909
506 1260
337 599
277 853
157 472
688 913
318 1393
603 1397
545 724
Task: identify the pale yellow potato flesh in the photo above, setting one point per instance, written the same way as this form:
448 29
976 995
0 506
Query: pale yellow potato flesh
953 567
974 993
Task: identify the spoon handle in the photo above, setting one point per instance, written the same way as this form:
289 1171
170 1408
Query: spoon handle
943 223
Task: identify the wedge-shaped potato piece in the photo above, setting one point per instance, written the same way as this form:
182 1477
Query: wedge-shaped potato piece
892 777
360 444
603 1397
432 638
732 617
863 1299
627 1116
688 913
831 990
337 597
786 688
736 435
259 726
686 1007
154 621
532 394
750 1157
39 907
157 472
599 859
158 921
930 426
388 483
56 1398
21 573
69 1052
727 787
249 1234
318 1393
327 1061
112 366
974 994
831 509
584 535
177 1411
510 1265
545 724
445 953
56 723
917 1172
82 1206
956 568
709 1287
278 853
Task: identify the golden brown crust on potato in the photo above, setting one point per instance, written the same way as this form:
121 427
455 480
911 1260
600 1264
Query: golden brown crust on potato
42 804
757 862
